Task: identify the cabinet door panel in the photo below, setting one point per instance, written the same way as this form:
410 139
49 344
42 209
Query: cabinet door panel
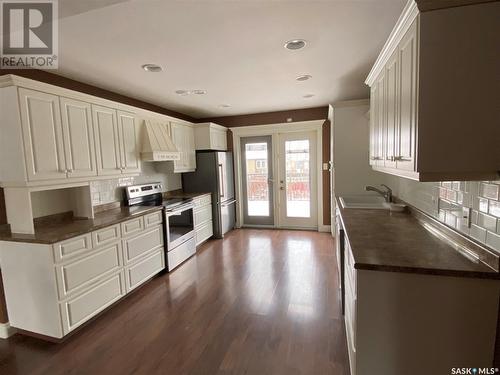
408 100
373 124
380 122
392 123
78 138
106 138
78 310
42 133
183 137
128 133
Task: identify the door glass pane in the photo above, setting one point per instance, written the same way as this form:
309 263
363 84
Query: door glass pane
257 175
297 175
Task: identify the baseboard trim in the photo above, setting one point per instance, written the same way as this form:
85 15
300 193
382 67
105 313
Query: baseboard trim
6 330
325 228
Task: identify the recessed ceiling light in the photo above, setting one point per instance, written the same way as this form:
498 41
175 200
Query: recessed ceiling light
199 92
304 77
295 44
152 68
182 92
224 105
307 96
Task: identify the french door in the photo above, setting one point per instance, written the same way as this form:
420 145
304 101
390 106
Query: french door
257 180
298 203
288 200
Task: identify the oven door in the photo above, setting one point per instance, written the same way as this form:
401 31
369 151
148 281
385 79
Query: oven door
179 226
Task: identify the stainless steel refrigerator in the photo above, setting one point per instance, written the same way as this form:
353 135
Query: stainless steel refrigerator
214 173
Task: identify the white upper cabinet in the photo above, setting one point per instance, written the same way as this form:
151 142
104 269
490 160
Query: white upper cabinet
391 131
107 142
210 136
429 120
183 137
42 134
406 96
54 136
78 138
129 142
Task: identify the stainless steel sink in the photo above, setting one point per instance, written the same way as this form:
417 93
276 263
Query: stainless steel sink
363 202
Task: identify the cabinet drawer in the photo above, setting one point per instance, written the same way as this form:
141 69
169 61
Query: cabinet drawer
80 273
155 218
106 235
144 269
181 253
202 201
73 247
142 243
133 226
202 215
204 232
79 309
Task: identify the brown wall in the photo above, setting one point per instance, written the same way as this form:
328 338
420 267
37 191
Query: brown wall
3 307
307 114
426 5
3 220
3 215
71 84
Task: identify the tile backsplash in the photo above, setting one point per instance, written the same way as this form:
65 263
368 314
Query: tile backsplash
449 201
107 191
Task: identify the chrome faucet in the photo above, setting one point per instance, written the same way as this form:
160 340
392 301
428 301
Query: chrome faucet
386 194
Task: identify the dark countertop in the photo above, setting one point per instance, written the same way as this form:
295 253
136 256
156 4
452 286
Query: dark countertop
181 194
397 242
52 232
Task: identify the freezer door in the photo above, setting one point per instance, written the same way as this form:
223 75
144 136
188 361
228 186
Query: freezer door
228 216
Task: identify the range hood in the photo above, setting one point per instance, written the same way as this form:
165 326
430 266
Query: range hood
157 144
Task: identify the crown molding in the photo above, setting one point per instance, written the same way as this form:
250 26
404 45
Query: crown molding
410 13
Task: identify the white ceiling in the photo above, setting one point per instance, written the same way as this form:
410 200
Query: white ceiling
232 49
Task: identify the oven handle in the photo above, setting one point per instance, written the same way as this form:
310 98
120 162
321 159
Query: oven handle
179 209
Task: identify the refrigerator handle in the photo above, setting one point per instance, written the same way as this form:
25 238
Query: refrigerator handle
225 204
221 180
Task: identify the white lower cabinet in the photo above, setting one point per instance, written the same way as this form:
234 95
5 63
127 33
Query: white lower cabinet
78 310
74 276
203 224
144 269
135 247
412 324
204 232
53 289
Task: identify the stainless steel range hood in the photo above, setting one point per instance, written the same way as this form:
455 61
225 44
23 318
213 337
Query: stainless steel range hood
157 144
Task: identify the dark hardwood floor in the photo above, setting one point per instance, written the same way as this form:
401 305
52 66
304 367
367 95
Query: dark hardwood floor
258 302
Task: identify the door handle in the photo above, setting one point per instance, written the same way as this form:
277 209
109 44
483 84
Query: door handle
222 192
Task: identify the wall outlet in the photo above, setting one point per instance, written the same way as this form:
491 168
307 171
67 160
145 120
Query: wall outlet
326 166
